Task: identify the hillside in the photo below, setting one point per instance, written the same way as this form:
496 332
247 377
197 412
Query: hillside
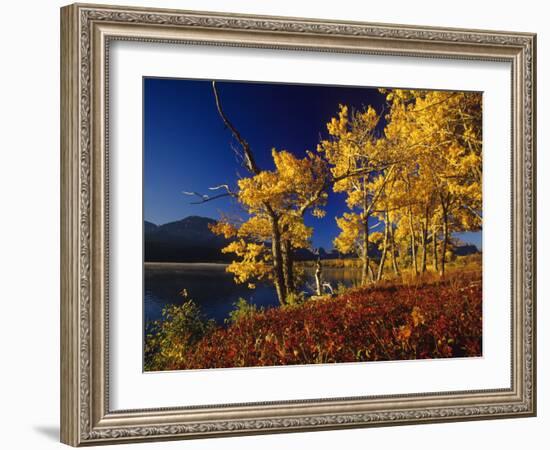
391 322
185 240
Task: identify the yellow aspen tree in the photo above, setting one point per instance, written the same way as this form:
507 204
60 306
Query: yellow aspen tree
442 130
360 167
276 202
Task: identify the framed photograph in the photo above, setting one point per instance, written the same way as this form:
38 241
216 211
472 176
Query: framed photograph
276 225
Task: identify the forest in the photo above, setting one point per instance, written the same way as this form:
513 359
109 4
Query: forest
411 175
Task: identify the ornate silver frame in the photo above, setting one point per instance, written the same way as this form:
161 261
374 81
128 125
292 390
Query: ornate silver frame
86 31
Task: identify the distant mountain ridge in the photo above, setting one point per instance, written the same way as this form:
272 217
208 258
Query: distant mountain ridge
185 240
191 240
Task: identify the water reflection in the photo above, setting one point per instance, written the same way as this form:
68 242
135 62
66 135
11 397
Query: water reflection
214 290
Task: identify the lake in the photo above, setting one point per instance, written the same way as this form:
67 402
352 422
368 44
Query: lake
214 290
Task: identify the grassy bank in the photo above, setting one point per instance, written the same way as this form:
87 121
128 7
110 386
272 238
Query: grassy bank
428 318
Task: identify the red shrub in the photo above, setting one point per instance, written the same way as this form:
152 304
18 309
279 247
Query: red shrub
397 323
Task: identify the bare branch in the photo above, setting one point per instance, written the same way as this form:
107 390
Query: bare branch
454 94
248 157
380 190
365 171
375 226
196 194
328 286
238 154
222 186
209 199
206 198
473 211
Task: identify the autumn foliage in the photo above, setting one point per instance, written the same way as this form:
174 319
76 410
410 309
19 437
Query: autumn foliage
421 177
411 174
418 321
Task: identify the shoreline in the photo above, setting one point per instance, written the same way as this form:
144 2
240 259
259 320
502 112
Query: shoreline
169 263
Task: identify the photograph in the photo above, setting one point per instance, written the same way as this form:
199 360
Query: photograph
297 224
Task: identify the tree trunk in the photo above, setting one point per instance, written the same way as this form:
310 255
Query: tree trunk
424 246
288 267
279 278
393 252
385 249
413 243
365 253
319 277
371 273
434 249
445 240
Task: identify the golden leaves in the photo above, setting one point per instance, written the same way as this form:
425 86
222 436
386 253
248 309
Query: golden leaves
423 167
351 226
275 202
428 158
404 333
417 316
223 228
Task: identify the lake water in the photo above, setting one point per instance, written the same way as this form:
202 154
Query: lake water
214 290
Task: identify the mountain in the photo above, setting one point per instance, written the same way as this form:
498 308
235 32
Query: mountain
304 254
149 227
190 240
465 249
186 240
461 248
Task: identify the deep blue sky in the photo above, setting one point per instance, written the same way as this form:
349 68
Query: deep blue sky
187 147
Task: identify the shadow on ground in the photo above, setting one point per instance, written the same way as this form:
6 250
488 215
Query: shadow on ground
51 432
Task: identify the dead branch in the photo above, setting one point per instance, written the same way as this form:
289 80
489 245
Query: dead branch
328 286
204 198
248 157
473 211
222 186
